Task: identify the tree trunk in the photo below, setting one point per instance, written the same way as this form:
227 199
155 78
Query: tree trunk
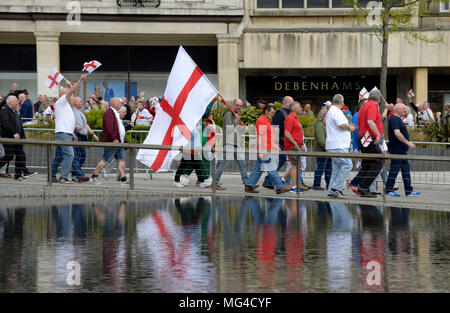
384 56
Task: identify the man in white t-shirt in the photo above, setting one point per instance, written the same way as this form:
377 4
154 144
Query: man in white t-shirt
338 141
64 130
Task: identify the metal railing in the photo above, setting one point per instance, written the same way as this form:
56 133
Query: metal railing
49 144
421 172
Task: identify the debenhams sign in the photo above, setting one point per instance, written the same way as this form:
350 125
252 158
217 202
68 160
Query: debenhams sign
316 85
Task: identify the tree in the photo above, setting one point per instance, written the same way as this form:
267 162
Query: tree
390 16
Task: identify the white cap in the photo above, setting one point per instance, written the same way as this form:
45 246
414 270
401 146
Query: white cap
327 103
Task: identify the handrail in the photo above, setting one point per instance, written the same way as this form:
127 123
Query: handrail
215 150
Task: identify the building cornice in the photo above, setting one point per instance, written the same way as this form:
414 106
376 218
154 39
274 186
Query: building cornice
124 17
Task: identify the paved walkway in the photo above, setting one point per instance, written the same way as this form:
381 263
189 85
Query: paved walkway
36 189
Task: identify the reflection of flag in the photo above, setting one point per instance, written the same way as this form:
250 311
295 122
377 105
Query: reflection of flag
91 66
53 80
411 93
188 93
366 139
363 94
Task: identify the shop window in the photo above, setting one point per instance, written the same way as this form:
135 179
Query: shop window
267 4
445 6
292 3
341 4
318 4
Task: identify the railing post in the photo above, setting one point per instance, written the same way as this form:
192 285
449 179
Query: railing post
213 170
298 170
49 164
131 166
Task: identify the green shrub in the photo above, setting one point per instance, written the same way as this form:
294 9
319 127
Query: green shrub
249 115
41 134
95 118
439 131
218 113
138 138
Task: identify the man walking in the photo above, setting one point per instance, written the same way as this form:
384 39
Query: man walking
293 134
112 131
11 127
64 130
232 139
338 140
370 134
278 121
26 108
399 144
323 165
81 130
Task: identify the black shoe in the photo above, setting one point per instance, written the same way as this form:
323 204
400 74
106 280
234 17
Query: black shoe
28 174
19 177
395 189
282 190
364 194
268 186
318 188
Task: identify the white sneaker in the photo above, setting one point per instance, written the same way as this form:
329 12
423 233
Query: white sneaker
127 182
94 180
177 184
209 180
205 184
104 174
184 180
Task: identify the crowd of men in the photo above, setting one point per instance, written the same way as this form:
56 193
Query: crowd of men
336 131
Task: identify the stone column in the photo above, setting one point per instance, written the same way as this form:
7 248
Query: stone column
228 66
47 58
421 84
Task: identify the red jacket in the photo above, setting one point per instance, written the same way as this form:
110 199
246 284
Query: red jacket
110 127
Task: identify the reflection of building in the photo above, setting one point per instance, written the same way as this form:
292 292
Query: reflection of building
248 48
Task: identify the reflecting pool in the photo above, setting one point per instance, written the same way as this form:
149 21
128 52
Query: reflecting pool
223 245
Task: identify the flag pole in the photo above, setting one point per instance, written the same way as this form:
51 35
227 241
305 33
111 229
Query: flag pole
230 108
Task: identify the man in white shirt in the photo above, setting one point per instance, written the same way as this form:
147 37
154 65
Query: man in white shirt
338 141
64 130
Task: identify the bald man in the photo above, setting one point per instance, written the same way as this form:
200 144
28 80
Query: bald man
112 131
399 144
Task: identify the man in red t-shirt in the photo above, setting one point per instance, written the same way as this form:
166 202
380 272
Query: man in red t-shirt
370 134
293 139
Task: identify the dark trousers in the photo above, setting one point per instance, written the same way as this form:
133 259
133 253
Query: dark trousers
79 157
396 166
187 164
322 165
10 152
369 168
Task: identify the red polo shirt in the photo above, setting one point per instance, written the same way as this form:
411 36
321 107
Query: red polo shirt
264 134
293 126
369 111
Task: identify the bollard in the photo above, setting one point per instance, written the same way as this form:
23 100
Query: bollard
131 166
49 165
213 171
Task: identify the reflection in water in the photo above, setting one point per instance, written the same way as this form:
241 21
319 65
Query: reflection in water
224 245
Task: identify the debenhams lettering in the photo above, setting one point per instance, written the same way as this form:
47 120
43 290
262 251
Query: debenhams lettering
316 85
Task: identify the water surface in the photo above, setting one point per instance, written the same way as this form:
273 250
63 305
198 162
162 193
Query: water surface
226 245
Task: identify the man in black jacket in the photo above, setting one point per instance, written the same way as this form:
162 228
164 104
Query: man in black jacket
11 127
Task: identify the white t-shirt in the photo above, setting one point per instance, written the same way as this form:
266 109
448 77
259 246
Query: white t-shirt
408 120
142 118
64 117
337 138
48 112
427 116
120 124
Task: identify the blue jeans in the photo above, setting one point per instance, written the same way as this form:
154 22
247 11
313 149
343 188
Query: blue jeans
341 167
396 166
255 175
281 160
64 155
323 165
79 158
223 163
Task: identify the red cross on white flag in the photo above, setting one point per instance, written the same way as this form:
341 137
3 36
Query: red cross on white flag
411 93
363 94
188 94
366 139
91 66
53 80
